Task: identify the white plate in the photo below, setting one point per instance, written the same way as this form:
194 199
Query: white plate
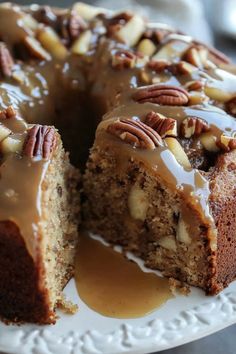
179 321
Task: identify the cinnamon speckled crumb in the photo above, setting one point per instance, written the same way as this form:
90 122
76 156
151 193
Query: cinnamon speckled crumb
177 286
67 306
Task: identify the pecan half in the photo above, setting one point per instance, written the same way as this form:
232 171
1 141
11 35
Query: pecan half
230 106
162 125
40 141
8 113
6 61
123 59
193 126
135 133
162 94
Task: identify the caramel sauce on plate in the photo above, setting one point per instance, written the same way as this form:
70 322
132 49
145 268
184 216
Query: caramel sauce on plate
114 286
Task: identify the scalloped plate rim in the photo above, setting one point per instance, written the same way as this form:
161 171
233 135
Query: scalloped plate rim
194 317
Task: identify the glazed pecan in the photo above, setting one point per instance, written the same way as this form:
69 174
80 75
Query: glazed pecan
162 125
158 65
193 126
162 94
135 133
6 61
8 113
230 106
123 59
40 142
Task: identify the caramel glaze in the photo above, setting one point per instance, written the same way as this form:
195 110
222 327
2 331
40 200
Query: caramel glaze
40 90
114 286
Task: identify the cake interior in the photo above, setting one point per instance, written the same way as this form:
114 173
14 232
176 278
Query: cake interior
31 283
130 206
59 224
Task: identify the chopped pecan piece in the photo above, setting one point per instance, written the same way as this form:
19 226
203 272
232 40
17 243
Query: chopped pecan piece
116 22
135 133
195 85
71 25
40 142
46 15
158 65
8 113
193 126
215 55
6 61
230 106
181 68
35 48
162 125
157 35
226 143
123 59
162 94
196 56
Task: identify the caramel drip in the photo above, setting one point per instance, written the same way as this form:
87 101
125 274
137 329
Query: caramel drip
113 286
191 184
20 193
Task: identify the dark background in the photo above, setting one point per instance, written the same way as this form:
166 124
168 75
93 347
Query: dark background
223 342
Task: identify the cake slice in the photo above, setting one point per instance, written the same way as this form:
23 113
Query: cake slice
147 190
38 233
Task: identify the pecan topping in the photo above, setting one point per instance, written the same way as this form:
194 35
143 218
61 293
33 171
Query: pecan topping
123 59
230 106
193 126
135 133
162 94
158 65
162 125
8 113
40 141
6 61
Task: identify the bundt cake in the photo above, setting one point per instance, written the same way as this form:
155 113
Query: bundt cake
160 177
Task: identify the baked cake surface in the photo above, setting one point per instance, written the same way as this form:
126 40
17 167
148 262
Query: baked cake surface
161 173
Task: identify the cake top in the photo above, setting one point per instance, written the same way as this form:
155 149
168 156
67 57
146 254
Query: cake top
164 95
